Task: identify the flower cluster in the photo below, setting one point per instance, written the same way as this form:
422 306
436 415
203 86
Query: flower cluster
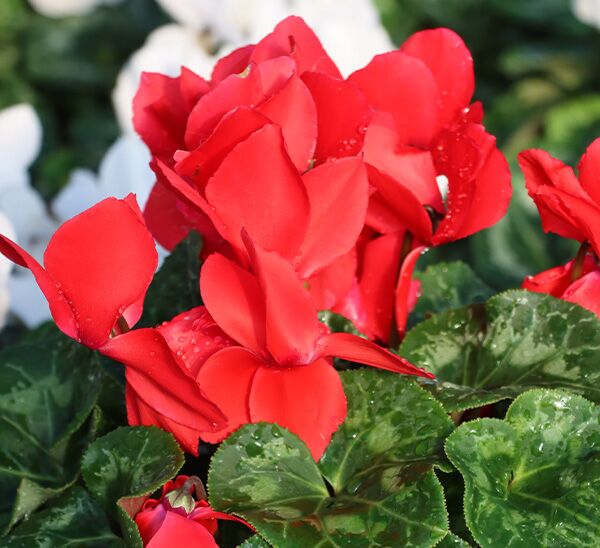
311 191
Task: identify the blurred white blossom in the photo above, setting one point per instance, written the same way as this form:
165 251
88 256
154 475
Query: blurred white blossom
65 8
22 206
587 11
123 169
350 31
5 269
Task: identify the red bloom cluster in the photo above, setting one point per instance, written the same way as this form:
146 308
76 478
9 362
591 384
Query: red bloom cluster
311 192
179 519
570 207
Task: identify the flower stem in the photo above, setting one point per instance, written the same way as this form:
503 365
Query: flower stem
577 269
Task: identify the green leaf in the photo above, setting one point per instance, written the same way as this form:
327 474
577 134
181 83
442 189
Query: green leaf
532 479
47 392
391 421
176 286
453 541
254 541
516 341
445 286
380 488
74 520
122 467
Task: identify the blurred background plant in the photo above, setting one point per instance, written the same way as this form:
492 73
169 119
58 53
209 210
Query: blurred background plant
77 62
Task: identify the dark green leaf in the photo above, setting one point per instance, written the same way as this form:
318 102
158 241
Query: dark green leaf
445 286
516 341
452 541
123 466
534 478
47 391
74 520
176 286
378 465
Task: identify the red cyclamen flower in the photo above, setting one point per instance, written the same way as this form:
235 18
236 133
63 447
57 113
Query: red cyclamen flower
576 282
568 205
191 124
179 519
423 127
280 367
97 268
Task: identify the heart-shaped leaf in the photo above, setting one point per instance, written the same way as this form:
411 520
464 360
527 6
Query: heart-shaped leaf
373 487
532 479
445 286
47 392
73 520
518 340
122 467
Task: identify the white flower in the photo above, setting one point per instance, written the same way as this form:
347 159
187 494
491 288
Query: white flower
5 268
350 31
20 143
65 8
587 11
123 169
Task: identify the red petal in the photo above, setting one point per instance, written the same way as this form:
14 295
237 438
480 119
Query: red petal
193 336
183 191
338 194
479 187
200 164
404 302
161 107
342 115
293 109
541 170
381 217
235 300
555 281
104 260
404 203
410 167
309 401
251 89
163 383
59 308
142 414
405 87
178 530
585 213
234 63
226 378
166 219
585 292
451 64
379 265
294 38
353 348
330 285
292 324
268 199
589 171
